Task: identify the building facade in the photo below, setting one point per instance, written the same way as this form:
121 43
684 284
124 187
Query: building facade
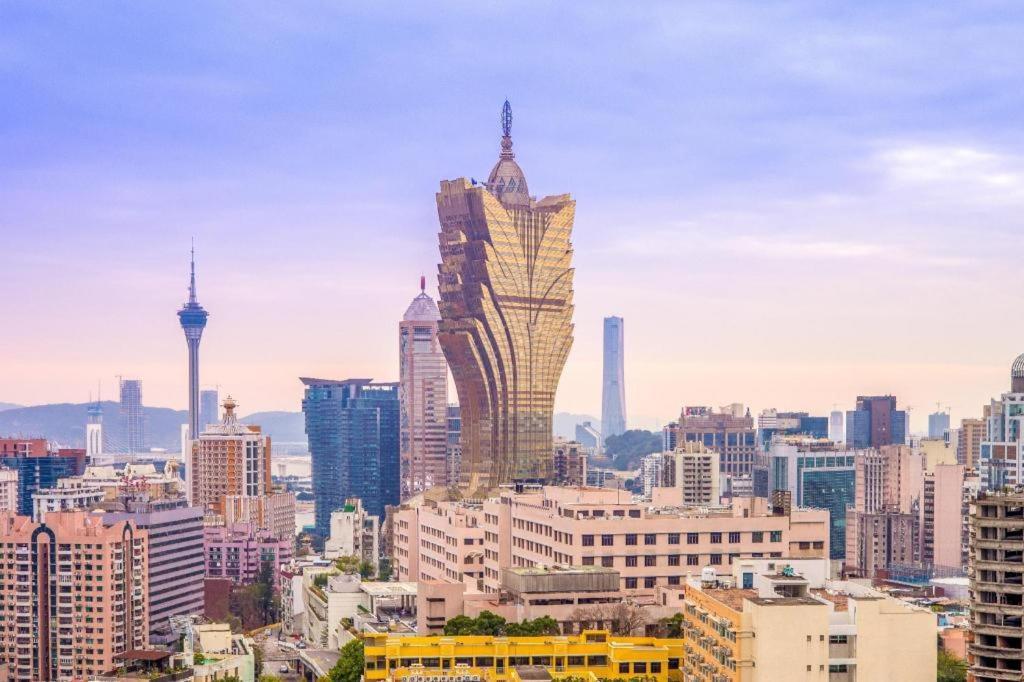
175 558
938 424
568 464
9 490
970 436
75 595
689 477
453 451
227 459
942 519
730 431
836 427
238 553
209 409
94 432
133 417
423 394
353 430
38 467
354 533
613 383
1001 462
506 316
875 422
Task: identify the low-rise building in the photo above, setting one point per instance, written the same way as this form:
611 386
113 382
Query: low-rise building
354 533
594 654
66 498
569 463
330 597
239 551
777 625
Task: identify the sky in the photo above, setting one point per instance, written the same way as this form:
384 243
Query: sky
789 203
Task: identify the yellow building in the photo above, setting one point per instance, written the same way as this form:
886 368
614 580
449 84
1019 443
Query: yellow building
591 655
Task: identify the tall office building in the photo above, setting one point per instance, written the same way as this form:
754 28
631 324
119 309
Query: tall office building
228 459
38 467
192 317
969 437
453 451
209 401
133 418
74 597
836 427
613 386
938 424
875 422
94 432
1001 460
423 392
506 316
352 426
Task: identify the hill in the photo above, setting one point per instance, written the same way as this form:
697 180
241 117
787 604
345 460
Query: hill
283 427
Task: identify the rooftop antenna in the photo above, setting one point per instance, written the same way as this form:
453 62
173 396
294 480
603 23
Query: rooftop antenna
192 279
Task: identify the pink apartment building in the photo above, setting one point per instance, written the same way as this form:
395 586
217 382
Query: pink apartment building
237 551
471 545
72 595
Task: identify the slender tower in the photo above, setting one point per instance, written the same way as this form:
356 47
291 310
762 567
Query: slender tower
613 389
193 320
94 431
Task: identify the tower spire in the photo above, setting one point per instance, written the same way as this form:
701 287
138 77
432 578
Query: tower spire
506 129
423 284
192 279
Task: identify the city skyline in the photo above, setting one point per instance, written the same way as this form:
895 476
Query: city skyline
856 218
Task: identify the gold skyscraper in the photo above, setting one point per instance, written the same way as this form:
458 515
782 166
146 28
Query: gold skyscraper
506 316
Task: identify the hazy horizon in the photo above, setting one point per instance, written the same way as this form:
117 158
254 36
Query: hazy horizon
789 204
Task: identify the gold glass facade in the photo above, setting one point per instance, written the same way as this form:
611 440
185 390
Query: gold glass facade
506 317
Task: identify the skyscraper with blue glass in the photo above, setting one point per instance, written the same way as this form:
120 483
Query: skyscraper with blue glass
876 422
353 431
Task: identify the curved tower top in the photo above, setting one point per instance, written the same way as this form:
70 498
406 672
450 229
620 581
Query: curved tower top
1017 375
423 308
192 317
507 181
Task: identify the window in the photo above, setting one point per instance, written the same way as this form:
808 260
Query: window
776 536
588 561
650 560
640 667
734 538
673 559
597 661
837 639
757 536
716 538
715 559
623 667
631 538
630 561
634 513
673 580
673 538
655 666
650 539
607 540
692 559
692 538
576 662
630 583
607 561
588 540
649 582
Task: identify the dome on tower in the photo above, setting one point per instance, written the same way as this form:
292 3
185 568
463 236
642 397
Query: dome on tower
423 308
507 181
1017 375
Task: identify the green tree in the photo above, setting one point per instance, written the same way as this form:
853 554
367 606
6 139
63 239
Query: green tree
459 625
349 667
347 564
625 450
950 668
366 570
269 678
673 625
385 572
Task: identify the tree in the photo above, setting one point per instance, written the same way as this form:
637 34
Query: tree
950 668
385 572
349 667
622 619
625 450
673 625
488 623
347 564
366 570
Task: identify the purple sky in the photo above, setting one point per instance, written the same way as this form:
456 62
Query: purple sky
790 203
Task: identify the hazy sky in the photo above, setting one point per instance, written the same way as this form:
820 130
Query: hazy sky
790 203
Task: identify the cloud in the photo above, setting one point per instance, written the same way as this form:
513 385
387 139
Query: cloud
958 171
800 248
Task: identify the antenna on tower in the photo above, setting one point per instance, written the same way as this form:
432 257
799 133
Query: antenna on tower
506 119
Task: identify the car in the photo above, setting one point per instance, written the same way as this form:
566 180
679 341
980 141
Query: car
300 645
284 668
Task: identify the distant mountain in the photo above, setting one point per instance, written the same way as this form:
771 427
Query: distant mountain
564 424
283 427
8 406
64 423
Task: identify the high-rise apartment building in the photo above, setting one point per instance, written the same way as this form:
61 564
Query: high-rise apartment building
568 464
38 467
238 552
938 424
423 394
133 417
228 458
354 533
690 477
74 595
353 430
613 383
506 316
875 422
175 557
8 490
192 317
209 401
942 519
994 652
970 436
730 431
